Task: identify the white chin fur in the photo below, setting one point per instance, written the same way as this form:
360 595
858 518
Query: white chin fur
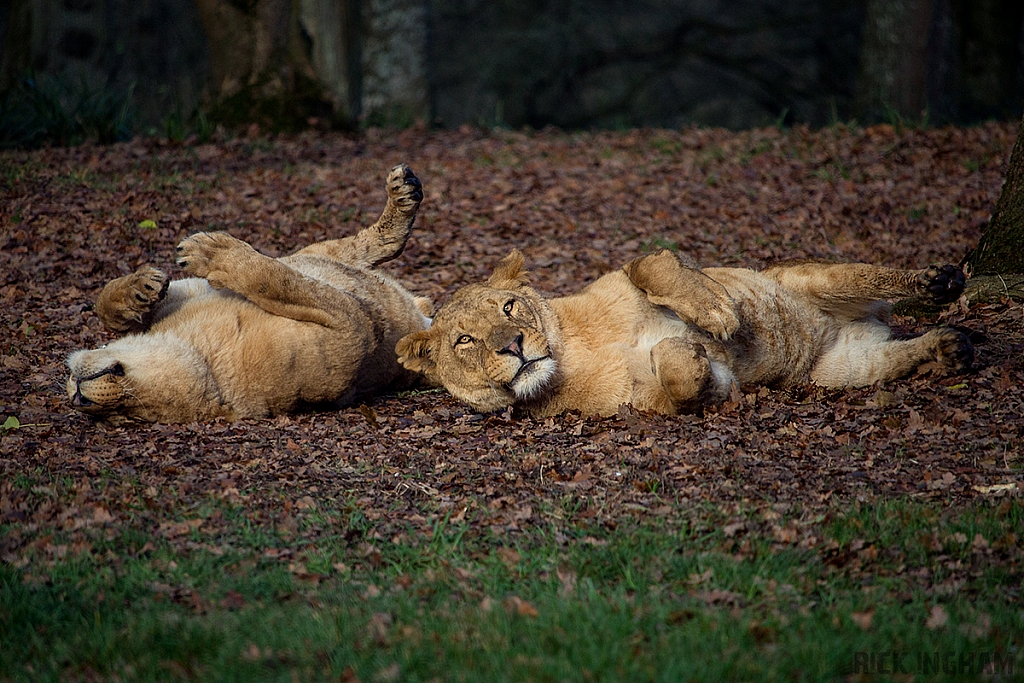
534 379
723 378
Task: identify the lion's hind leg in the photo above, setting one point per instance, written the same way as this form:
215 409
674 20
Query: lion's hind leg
686 291
688 377
852 291
385 239
865 353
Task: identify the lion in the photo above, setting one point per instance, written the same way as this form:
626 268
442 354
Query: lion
668 337
249 336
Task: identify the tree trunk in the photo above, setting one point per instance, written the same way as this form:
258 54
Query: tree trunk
283 62
263 58
988 36
1001 248
893 75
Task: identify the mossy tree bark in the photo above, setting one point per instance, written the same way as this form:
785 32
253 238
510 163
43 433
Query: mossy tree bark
278 63
1001 248
997 263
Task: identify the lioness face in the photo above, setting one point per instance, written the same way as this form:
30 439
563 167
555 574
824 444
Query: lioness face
136 378
490 345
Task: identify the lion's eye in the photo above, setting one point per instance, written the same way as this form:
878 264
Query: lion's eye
463 339
509 306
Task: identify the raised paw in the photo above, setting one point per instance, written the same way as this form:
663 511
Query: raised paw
125 304
954 350
207 252
688 292
721 320
943 283
404 188
147 286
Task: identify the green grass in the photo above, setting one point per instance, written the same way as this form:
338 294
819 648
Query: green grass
700 599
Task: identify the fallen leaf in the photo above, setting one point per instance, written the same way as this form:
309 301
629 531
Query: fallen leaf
732 529
937 618
863 619
388 674
232 600
521 607
509 556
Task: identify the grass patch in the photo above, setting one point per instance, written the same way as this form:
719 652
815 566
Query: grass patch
884 589
36 112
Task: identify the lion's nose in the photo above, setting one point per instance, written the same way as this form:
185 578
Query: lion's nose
512 347
79 400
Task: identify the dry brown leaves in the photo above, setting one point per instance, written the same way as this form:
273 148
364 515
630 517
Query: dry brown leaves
577 205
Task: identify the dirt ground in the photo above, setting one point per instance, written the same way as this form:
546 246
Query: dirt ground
578 205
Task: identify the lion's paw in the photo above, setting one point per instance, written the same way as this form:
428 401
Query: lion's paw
125 304
404 188
147 286
721 321
205 252
142 290
943 283
954 350
682 367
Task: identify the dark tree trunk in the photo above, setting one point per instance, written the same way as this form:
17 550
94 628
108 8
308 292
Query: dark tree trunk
262 63
988 39
282 63
893 75
1001 248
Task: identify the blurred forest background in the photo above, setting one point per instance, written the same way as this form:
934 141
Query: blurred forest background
168 66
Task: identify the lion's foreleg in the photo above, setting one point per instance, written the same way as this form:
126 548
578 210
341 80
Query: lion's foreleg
126 304
853 287
226 262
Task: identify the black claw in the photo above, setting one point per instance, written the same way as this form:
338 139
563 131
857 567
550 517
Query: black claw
961 351
944 283
414 182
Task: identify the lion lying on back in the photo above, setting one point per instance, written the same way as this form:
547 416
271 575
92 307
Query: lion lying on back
252 336
667 337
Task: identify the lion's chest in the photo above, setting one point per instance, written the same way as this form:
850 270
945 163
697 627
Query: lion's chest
609 330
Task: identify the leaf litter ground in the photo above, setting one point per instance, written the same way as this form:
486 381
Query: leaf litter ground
578 205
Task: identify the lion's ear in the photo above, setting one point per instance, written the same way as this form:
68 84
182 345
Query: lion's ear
509 273
414 353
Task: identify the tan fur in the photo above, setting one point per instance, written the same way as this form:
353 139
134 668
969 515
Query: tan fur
252 336
665 336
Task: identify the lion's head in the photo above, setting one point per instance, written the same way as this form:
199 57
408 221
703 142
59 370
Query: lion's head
142 377
491 345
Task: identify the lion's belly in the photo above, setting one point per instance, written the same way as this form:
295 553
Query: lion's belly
780 335
266 364
778 341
